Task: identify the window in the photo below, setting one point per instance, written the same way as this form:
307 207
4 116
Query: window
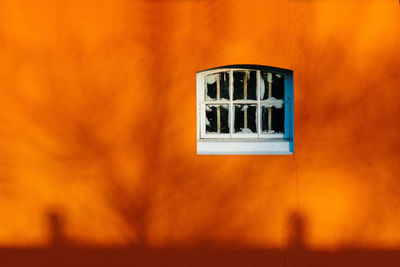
245 109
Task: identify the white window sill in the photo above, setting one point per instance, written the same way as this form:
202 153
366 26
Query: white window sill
244 146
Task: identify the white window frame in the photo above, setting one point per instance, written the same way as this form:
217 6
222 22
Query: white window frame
245 143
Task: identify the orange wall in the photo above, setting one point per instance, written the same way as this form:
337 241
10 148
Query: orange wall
98 122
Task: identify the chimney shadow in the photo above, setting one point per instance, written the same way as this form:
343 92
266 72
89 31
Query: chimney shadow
297 232
56 230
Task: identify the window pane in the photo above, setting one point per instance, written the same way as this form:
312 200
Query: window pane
272 119
277 85
212 86
245 119
217 119
244 85
224 85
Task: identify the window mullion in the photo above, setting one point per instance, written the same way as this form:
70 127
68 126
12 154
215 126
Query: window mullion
258 86
269 96
245 98
218 107
231 107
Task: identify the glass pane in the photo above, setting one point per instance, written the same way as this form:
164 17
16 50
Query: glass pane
245 119
212 86
277 117
224 85
217 119
277 85
244 85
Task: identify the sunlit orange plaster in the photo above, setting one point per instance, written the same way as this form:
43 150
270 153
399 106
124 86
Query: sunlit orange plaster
98 123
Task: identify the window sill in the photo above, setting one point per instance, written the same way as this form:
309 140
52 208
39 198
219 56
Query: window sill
244 146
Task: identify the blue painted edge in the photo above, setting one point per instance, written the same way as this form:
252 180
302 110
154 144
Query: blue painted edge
289 109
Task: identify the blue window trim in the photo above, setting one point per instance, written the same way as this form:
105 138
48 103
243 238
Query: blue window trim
289 109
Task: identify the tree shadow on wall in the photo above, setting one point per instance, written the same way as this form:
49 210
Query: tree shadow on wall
61 252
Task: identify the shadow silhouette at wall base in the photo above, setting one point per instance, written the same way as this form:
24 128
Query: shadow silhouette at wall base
62 252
